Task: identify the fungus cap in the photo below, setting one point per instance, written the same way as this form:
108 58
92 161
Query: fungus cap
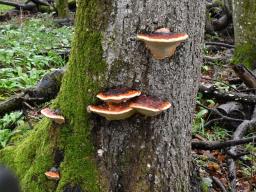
49 113
52 175
162 43
118 95
149 106
112 112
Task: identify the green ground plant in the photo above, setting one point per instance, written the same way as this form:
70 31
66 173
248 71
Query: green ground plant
29 50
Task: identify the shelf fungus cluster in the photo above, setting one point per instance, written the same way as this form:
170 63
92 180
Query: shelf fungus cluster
53 115
122 103
162 43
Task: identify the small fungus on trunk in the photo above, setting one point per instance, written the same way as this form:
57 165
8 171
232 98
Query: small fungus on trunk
53 115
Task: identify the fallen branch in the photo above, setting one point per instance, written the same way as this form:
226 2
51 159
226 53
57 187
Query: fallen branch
45 90
212 91
225 59
232 174
219 184
12 4
39 2
238 134
207 145
11 104
220 114
15 103
220 44
245 75
18 6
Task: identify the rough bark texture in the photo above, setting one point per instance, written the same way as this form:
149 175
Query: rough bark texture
244 13
140 154
151 154
62 8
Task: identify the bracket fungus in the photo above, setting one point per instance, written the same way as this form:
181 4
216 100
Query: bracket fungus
118 95
162 43
53 115
149 106
53 175
112 112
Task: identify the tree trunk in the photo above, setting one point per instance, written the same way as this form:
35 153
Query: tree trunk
140 154
244 13
62 8
228 6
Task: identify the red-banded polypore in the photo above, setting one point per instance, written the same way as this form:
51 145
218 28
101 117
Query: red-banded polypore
162 43
54 116
112 111
122 103
149 106
118 95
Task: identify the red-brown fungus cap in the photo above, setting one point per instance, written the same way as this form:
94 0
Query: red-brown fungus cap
47 112
149 106
52 175
162 43
112 112
118 95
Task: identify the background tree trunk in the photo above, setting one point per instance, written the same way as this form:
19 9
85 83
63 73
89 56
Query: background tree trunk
244 14
62 8
228 5
140 154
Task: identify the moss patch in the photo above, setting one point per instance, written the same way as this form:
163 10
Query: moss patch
83 79
31 157
88 68
245 54
4 8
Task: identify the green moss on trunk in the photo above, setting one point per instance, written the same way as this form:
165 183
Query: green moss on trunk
82 80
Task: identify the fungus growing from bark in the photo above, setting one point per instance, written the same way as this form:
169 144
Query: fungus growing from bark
118 95
49 113
52 175
162 43
112 112
149 106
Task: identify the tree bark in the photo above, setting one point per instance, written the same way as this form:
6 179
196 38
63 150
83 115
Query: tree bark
62 8
139 154
244 13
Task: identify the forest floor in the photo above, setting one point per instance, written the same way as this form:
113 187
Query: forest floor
30 47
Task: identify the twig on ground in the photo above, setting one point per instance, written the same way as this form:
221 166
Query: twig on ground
232 174
219 113
219 184
212 145
220 44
